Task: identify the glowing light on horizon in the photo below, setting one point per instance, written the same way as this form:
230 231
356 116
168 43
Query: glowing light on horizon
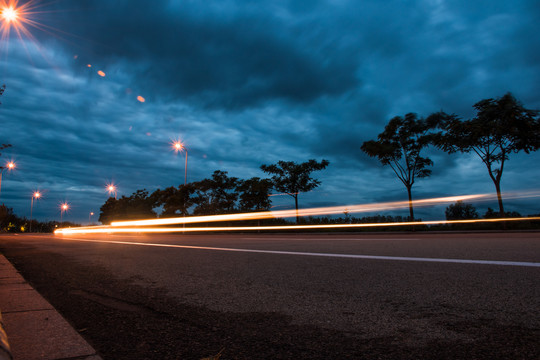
141 99
148 225
101 73
301 212
134 229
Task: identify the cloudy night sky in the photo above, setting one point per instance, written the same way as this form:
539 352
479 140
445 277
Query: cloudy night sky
245 83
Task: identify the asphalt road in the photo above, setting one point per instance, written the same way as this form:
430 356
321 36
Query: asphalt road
293 296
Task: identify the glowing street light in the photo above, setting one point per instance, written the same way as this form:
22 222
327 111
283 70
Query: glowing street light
36 195
63 208
179 146
10 14
90 216
10 166
112 189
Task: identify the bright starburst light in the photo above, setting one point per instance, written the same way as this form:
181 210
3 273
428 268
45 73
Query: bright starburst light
20 18
16 17
9 14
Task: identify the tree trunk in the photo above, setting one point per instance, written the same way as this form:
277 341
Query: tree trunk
411 212
296 205
499 197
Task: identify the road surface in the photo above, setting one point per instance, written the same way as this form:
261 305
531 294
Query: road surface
293 296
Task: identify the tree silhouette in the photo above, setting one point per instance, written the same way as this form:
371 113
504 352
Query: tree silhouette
216 195
137 206
2 89
399 146
292 178
460 211
3 146
501 126
175 201
254 194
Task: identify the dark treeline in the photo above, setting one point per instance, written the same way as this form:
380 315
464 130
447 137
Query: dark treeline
9 222
220 194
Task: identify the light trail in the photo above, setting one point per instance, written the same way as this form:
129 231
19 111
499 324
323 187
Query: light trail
301 253
301 212
135 229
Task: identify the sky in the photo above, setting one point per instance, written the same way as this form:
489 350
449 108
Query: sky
246 83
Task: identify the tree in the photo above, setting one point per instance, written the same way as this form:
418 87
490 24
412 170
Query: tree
501 126
399 146
460 211
255 194
492 214
175 201
2 89
3 146
138 206
292 178
216 195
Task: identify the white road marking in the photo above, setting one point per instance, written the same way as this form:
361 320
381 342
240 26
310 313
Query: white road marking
329 239
346 256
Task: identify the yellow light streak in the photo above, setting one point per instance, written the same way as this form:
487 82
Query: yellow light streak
143 226
301 212
135 229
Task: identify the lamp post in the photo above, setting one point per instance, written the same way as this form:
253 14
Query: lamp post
10 166
89 216
36 195
178 146
63 208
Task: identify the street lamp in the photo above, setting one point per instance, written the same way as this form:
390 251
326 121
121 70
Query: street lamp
63 208
89 216
111 189
36 195
10 166
178 146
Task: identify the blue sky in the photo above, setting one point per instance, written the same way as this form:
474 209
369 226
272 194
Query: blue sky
245 83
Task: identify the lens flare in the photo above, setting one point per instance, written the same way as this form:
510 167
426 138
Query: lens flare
18 18
9 14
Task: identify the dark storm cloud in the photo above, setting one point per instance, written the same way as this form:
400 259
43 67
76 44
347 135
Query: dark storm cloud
218 54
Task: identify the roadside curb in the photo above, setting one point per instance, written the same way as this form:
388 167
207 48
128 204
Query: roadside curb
36 330
5 350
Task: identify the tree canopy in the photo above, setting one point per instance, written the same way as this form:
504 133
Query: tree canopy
292 178
501 126
399 146
461 211
255 194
